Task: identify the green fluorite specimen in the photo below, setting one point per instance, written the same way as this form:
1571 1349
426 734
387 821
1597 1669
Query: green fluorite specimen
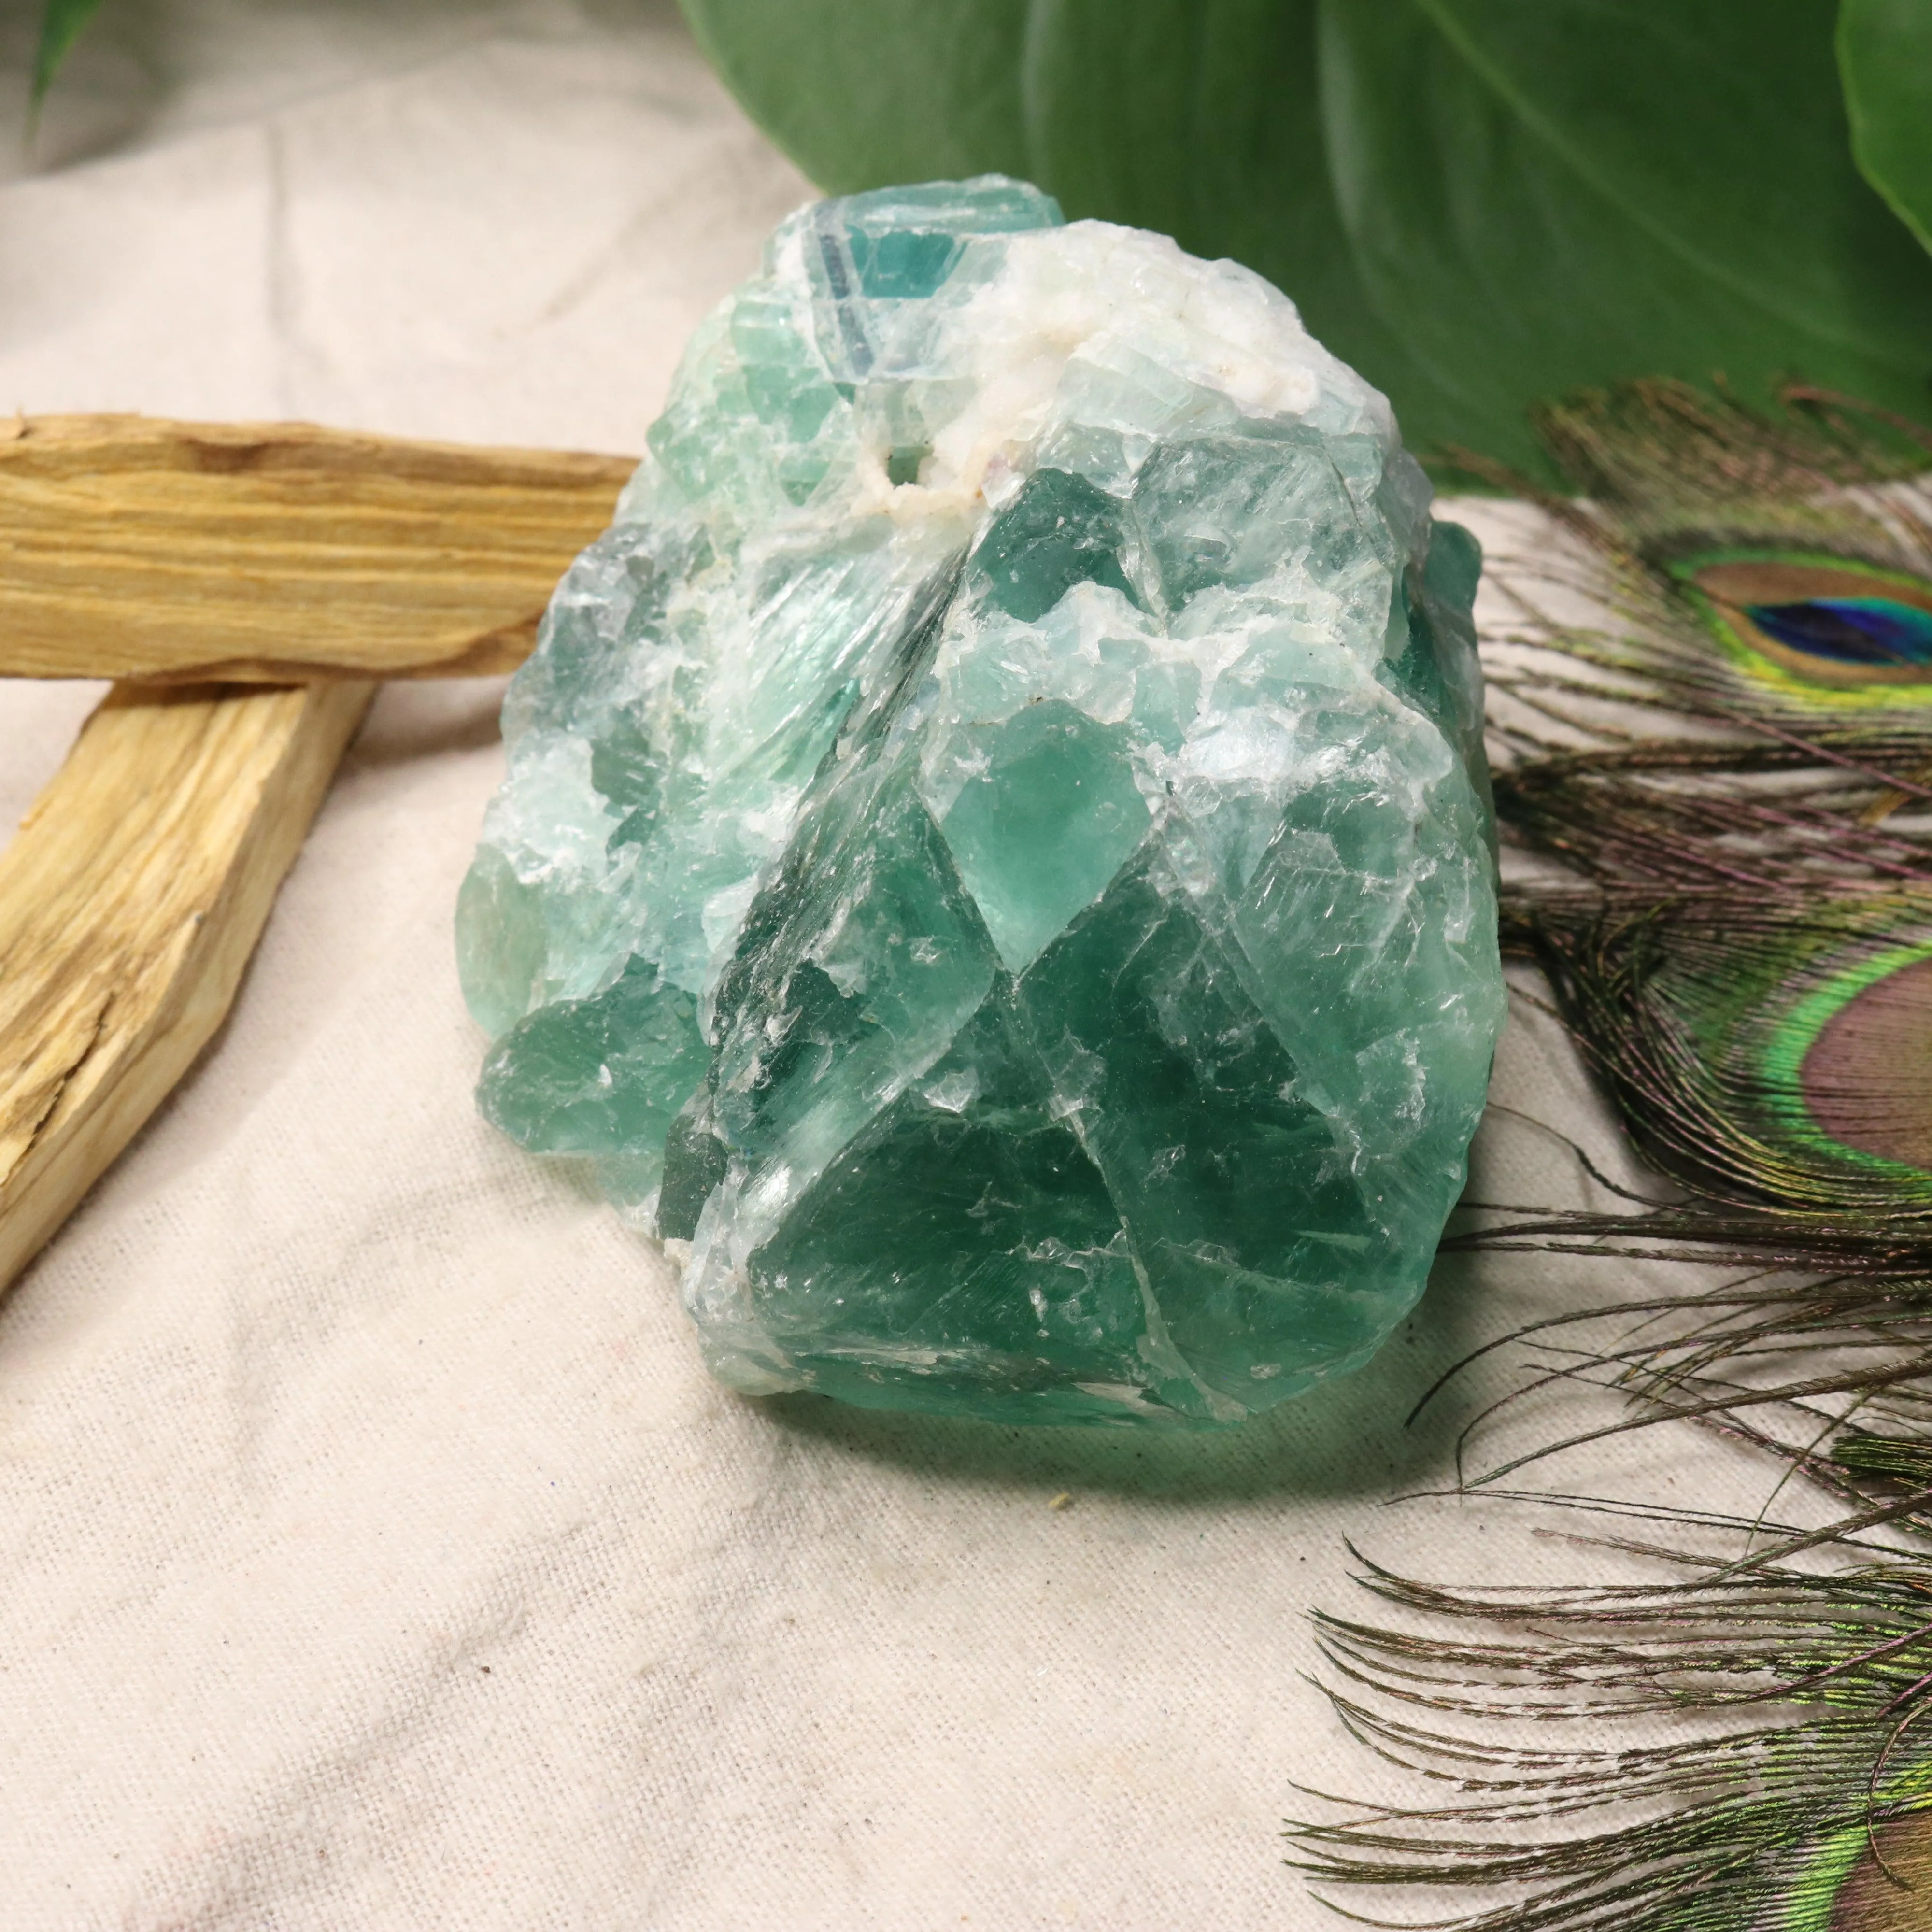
996 851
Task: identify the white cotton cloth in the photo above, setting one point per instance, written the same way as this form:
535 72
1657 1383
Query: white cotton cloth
374 1551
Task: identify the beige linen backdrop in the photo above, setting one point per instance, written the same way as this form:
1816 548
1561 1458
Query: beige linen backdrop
374 1551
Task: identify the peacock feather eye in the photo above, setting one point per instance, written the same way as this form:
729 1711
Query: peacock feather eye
1829 622
1833 1029
1783 1056
1863 1056
1868 1877
1849 630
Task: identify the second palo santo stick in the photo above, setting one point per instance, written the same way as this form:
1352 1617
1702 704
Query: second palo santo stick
130 902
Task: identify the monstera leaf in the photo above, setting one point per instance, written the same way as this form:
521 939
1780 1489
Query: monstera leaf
1480 202
1885 53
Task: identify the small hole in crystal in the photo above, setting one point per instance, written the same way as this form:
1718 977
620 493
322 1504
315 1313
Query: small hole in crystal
902 465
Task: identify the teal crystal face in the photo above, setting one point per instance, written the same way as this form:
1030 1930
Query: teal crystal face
996 858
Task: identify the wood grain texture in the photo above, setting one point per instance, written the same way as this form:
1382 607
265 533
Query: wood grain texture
132 547
129 903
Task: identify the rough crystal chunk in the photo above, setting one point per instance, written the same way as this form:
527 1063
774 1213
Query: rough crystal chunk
995 856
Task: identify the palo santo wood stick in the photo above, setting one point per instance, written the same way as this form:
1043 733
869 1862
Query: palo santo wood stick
133 547
130 902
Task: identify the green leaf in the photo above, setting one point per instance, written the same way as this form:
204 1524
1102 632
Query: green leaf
1478 202
866 93
1885 60
61 23
1552 194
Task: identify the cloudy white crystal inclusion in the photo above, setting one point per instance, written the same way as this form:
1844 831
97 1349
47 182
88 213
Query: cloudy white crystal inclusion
841 438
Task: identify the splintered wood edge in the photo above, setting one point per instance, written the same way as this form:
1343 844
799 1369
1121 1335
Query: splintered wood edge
129 903
134 547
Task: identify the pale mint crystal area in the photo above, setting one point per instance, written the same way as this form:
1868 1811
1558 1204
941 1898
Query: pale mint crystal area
996 853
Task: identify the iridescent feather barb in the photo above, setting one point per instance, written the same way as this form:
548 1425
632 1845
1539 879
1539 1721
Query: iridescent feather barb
1765 1821
1720 801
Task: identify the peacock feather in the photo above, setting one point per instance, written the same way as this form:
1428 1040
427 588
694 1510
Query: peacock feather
1771 570
1735 787
1812 1815
1716 805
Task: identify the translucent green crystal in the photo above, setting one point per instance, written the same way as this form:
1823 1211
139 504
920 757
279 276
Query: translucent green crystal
996 856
